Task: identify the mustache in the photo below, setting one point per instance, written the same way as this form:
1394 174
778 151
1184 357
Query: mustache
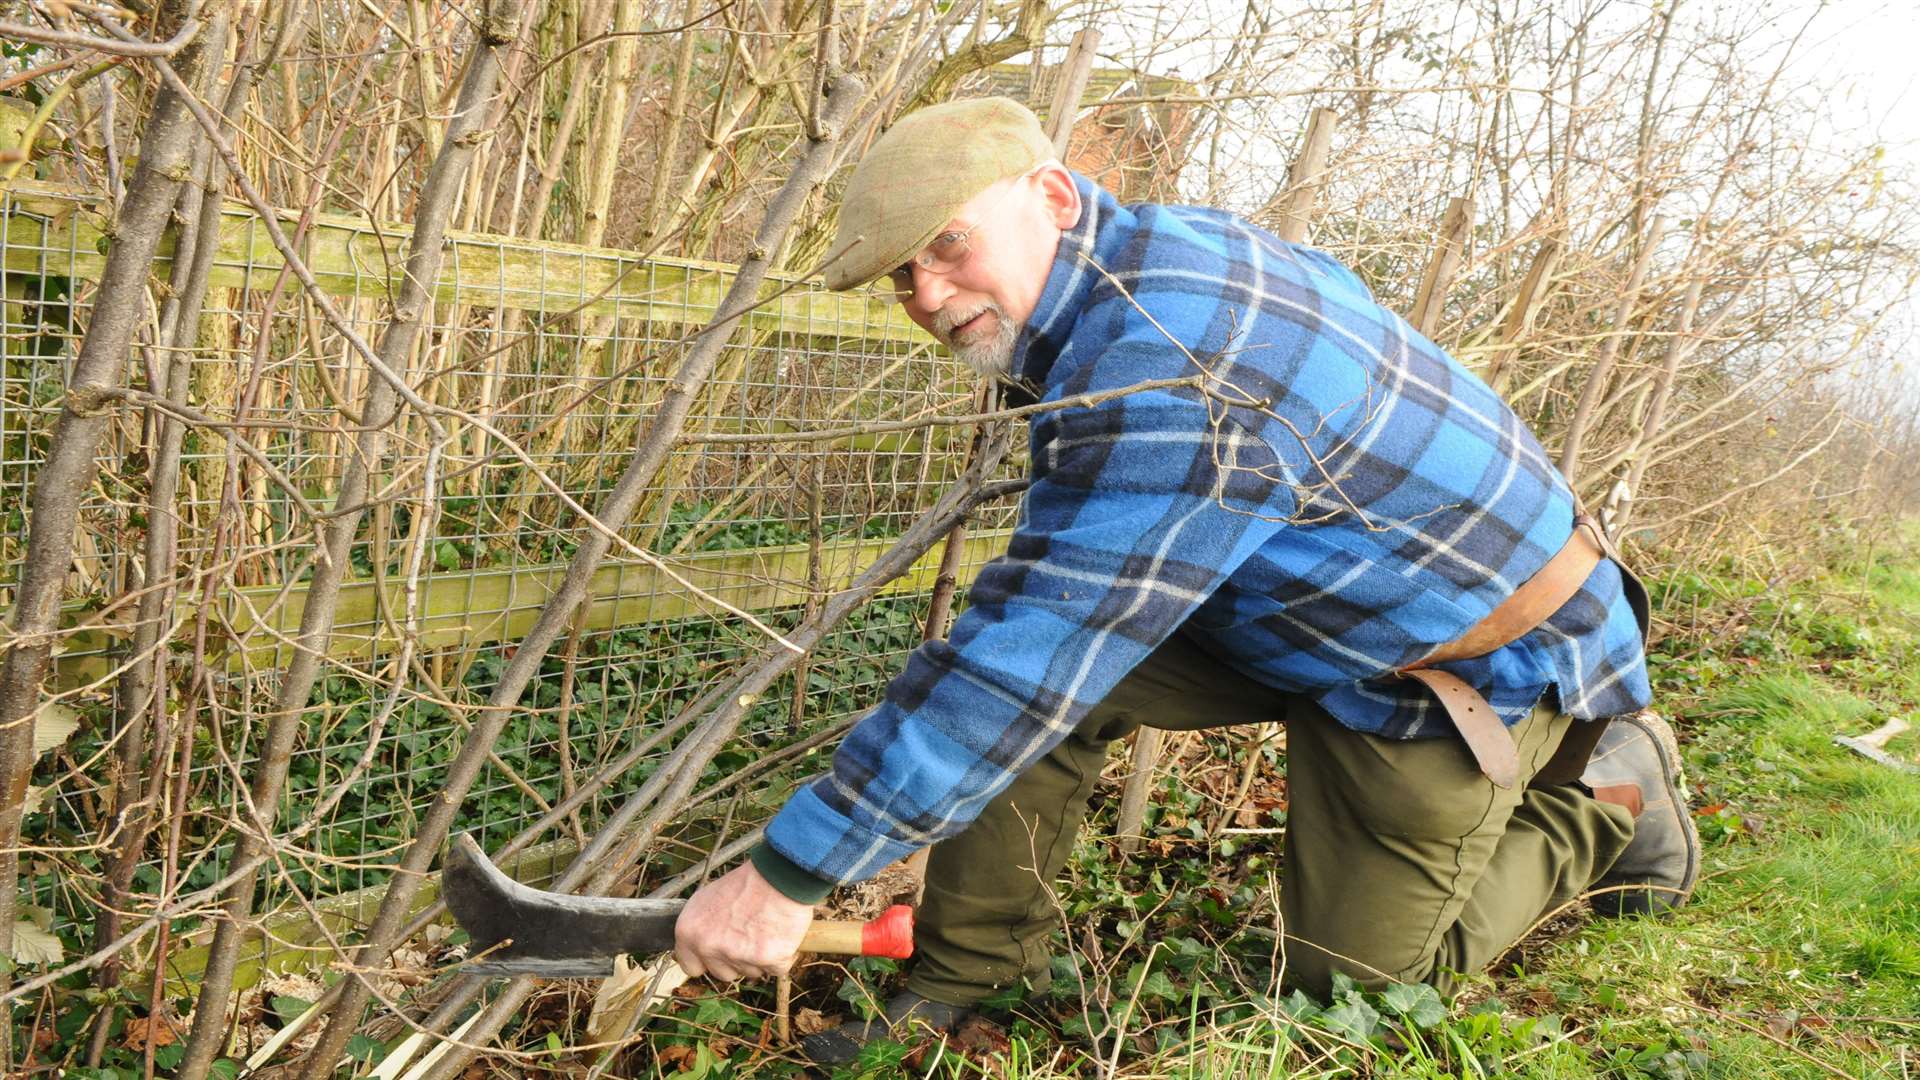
946 320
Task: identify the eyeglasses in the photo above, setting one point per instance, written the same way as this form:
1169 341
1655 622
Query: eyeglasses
945 253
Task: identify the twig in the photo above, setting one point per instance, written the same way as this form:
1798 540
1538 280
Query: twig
1824 1066
126 44
32 73
1077 401
143 687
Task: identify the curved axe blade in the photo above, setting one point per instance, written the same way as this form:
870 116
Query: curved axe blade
546 933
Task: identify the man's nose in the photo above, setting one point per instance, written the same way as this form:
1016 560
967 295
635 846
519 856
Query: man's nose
930 290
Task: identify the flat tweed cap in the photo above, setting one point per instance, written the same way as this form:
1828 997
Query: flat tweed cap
920 172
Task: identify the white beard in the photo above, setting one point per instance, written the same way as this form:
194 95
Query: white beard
991 356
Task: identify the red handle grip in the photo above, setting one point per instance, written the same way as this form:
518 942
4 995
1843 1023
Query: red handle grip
890 935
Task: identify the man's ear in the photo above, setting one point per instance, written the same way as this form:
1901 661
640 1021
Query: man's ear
1061 195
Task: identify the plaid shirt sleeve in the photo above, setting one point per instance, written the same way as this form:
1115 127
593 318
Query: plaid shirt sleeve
1139 509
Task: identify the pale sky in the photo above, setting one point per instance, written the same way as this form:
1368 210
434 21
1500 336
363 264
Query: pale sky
1871 48
1860 57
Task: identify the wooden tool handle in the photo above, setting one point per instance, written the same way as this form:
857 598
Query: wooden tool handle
890 935
1879 737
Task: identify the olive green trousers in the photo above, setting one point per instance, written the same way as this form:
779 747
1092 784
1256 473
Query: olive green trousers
1402 862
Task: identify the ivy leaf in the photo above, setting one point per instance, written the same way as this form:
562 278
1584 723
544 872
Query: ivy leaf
1419 1003
1157 987
879 1056
1429 1013
859 997
288 1007
1354 1020
1298 1006
54 725
720 1013
33 944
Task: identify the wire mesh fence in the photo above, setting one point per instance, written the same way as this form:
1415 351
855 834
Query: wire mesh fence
564 351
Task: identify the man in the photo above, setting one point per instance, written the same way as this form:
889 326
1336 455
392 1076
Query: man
1333 524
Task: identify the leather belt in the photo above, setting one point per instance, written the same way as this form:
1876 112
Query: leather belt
1529 605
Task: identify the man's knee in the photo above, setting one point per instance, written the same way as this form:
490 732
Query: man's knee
1311 964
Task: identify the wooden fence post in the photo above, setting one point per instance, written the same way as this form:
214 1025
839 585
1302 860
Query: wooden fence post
1133 798
1455 227
1526 304
1073 85
1303 180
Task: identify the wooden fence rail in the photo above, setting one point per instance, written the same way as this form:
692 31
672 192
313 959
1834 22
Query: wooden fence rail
51 230
469 608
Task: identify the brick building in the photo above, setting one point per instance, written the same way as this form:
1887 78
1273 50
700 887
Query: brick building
1127 136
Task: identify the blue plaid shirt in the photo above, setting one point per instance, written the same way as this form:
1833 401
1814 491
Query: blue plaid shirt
1340 498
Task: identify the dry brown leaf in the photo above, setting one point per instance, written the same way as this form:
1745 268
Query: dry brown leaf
813 1022
291 984
160 1030
674 1058
410 967
54 725
628 992
1861 1043
979 1037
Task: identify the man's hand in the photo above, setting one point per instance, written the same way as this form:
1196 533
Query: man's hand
740 927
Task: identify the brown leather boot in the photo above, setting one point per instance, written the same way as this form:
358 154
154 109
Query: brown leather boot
1636 764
